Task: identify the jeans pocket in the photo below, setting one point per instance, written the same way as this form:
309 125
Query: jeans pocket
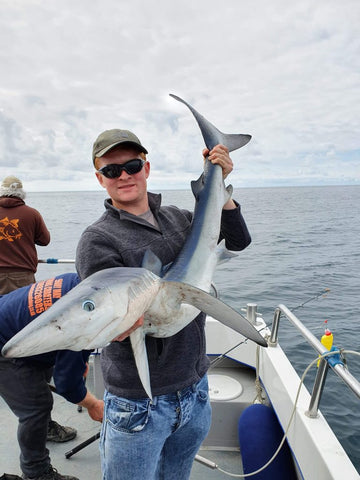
127 415
202 389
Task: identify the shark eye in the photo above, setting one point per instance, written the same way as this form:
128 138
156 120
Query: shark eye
88 305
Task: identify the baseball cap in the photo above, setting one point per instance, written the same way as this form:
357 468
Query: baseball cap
111 138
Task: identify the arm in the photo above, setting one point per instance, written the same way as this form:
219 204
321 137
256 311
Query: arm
234 230
70 369
42 234
233 227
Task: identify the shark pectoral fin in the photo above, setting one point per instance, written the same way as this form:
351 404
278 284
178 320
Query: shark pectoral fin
137 339
217 309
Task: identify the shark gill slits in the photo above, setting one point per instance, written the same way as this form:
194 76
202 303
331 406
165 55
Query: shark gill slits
88 305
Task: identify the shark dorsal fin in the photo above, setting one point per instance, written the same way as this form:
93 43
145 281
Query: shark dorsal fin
152 262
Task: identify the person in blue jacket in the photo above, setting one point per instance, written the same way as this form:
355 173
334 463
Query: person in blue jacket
24 381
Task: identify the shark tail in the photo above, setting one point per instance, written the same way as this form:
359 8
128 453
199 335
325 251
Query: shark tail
212 136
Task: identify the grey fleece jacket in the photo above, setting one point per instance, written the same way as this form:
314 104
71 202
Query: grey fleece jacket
118 239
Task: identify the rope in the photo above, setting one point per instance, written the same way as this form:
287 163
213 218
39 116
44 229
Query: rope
259 391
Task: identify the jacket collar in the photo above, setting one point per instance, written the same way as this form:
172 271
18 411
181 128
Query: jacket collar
154 203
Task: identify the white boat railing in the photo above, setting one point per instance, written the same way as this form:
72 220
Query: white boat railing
332 358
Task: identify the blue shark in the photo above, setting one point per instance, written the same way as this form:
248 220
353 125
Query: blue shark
109 302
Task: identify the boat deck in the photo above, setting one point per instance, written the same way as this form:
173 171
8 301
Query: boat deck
85 464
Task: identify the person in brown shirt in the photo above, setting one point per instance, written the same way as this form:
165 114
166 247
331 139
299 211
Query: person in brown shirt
21 228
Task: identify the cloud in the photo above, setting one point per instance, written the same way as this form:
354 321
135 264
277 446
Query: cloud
286 73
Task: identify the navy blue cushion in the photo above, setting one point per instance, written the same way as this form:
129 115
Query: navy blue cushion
260 435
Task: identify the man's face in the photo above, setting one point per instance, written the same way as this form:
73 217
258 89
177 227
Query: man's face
128 192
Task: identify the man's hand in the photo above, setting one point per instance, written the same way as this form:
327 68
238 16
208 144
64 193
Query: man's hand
94 406
124 335
219 155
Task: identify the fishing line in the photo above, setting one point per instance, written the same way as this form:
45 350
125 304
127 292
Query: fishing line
221 357
323 293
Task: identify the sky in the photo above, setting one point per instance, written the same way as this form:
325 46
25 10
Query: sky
288 73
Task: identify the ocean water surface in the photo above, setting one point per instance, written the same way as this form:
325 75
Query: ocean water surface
304 240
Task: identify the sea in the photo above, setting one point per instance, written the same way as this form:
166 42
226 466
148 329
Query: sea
305 254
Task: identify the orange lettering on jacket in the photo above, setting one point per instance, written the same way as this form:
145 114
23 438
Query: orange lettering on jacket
42 294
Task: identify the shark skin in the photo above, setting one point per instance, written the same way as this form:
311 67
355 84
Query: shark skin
109 302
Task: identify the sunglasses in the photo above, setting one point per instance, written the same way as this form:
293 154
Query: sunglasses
114 170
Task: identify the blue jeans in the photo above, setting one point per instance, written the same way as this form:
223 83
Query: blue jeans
154 440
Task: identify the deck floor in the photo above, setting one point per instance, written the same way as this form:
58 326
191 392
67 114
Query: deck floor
86 463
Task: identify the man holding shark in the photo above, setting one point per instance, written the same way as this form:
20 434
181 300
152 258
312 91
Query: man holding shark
158 437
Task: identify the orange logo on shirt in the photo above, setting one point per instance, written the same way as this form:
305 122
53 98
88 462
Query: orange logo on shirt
43 294
9 229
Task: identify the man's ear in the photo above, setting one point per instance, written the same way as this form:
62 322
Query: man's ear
100 179
147 169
